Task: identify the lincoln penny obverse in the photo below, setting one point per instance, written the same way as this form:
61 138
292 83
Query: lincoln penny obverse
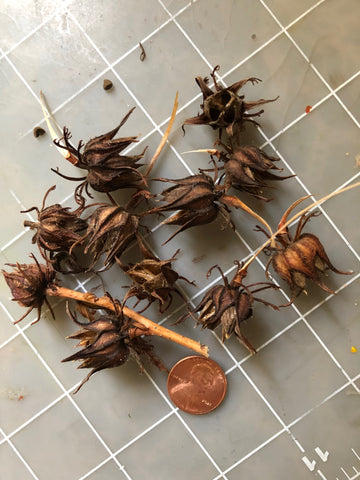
196 385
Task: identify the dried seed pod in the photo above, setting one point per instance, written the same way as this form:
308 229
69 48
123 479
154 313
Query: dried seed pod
224 108
153 279
28 284
107 169
229 305
296 259
195 198
57 228
109 341
110 231
248 168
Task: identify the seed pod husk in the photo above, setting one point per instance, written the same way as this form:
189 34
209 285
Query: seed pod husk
229 305
108 170
57 228
107 342
224 108
110 231
28 284
300 258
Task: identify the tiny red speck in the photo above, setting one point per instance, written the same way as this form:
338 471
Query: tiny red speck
308 109
20 398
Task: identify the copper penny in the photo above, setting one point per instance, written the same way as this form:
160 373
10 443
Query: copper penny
196 385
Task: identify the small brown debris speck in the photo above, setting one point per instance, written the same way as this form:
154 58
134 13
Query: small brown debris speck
253 36
198 259
38 131
107 84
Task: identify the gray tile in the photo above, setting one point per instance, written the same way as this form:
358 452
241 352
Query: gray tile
69 62
240 424
351 97
332 427
224 31
11 466
171 438
287 11
268 463
26 386
335 56
15 24
130 403
175 5
294 373
159 98
63 441
114 29
275 65
336 322
324 160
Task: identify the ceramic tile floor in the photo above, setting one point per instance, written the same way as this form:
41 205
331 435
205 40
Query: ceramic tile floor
291 411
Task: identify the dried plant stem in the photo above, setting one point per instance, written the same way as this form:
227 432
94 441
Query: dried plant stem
54 135
164 138
147 326
272 238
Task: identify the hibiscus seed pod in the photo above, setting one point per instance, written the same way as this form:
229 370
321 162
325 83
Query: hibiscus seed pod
57 228
108 342
300 258
248 168
194 198
28 284
229 305
108 170
224 108
110 231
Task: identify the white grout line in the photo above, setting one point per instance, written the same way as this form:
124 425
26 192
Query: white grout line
18 454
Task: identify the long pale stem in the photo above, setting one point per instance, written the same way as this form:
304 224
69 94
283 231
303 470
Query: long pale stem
164 138
143 323
54 135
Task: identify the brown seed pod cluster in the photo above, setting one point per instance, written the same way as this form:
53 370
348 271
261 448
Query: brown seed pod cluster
94 237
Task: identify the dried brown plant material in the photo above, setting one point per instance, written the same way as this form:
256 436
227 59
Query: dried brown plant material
224 108
38 132
28 284
57 228
110 231
107 84
194 198
142 52
108 170
229 305
300 257
108 341
198 201
153 280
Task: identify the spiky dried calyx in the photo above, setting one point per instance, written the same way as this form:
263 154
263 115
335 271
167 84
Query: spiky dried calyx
229 305
109 341
28 284
248 168
153 280
300 258
224 108
110 231
195 197
57 228
108 170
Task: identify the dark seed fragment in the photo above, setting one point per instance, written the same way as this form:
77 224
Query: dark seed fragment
38 131
142 54
107 84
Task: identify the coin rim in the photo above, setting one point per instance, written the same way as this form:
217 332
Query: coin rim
207 359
